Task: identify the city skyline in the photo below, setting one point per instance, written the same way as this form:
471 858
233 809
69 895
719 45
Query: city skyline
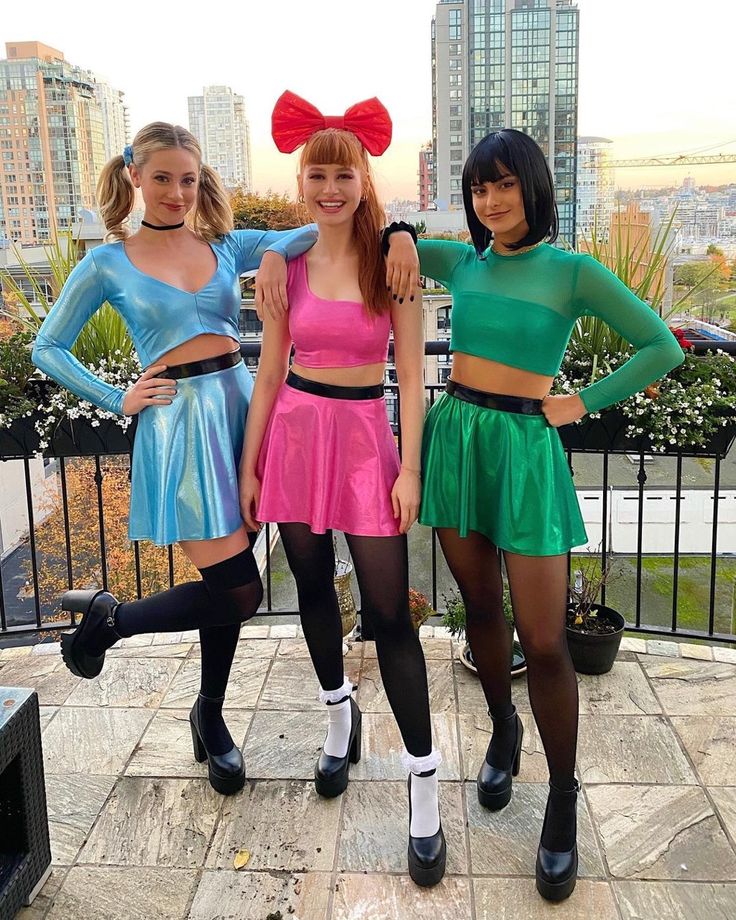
633 87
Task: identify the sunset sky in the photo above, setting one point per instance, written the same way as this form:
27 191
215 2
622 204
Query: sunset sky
656 77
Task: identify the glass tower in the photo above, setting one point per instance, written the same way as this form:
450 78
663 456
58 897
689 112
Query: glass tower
505 63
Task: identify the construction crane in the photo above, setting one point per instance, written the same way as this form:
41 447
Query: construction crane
669 161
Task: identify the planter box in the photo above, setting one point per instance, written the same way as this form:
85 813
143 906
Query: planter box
78 438
19 440
608 433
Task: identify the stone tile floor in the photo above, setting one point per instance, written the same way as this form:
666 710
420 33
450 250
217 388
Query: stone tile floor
138 833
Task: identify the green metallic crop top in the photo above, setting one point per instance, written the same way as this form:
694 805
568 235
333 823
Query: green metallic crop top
520 310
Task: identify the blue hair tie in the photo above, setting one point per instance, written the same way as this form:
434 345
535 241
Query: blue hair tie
128 155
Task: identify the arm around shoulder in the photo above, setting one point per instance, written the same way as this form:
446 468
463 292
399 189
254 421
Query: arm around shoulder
253 244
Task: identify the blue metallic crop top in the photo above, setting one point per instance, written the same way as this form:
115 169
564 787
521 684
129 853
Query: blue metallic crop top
158 315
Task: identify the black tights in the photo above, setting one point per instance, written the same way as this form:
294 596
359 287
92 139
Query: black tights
539 594
229 594
381 566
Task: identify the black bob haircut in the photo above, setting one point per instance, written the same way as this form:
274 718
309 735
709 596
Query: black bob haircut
511 152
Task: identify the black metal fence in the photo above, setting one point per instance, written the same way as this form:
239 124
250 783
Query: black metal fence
715 622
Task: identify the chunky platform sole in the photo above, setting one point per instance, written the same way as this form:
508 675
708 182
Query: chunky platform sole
558 891
495 801
334 786
225 785
80 665
426 876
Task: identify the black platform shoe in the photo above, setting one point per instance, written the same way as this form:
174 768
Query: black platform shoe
98 624
226 771
494 784
331 773
557 872
427 856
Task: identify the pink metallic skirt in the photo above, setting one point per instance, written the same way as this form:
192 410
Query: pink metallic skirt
328 462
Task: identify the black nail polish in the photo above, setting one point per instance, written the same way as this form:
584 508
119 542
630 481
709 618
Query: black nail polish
411 299
401 299
394 296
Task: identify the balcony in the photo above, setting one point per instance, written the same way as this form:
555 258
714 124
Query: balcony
137 832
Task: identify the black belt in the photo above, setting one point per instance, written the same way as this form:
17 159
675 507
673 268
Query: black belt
504 403
332 391
206 366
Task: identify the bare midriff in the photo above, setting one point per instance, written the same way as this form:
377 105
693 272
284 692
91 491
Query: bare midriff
207 345
364 375
493 377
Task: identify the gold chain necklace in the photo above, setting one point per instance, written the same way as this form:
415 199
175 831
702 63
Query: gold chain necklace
516 252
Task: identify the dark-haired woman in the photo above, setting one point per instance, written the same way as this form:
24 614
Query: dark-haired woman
495 477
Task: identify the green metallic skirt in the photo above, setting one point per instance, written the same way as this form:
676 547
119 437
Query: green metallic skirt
502 474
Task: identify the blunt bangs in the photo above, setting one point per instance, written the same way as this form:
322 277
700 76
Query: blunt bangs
334 147
511 152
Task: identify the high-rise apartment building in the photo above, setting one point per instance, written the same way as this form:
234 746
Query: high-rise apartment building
596 195
426 177
115 123
53 132
218 120
505 64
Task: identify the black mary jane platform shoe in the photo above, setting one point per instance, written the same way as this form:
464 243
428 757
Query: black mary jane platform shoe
427 856
98 610
557 872
494 784
226 771
331 773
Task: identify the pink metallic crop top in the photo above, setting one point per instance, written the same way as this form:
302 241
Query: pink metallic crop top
332 333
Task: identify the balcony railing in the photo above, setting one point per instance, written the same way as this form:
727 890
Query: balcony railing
634 521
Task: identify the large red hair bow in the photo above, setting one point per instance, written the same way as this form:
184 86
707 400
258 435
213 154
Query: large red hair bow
294 121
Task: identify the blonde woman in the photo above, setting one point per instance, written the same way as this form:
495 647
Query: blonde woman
175 283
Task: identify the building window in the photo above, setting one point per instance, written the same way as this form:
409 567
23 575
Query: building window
456 155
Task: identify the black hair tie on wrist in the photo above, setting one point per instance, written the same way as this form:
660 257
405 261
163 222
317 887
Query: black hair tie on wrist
396 227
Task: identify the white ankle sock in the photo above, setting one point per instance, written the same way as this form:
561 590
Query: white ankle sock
338 729
425 809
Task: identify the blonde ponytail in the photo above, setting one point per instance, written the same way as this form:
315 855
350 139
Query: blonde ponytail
213 216
115 197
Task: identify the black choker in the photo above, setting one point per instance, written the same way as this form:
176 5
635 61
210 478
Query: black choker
144 223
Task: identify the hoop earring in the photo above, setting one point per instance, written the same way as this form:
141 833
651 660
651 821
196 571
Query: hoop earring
300 199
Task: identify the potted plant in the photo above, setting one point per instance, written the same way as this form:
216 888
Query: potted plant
18 396
692 409
594 631
454 619
419 608
345 599
61 423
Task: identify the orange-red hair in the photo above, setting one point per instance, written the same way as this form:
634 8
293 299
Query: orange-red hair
335 147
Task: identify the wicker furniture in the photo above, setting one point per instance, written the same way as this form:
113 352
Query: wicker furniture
25 854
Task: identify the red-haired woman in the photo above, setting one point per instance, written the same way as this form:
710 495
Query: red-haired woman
320 455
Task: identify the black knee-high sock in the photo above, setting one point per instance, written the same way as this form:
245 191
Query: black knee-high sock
218 646
230 592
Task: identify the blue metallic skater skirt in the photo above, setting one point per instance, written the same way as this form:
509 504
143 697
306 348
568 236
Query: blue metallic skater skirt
184 480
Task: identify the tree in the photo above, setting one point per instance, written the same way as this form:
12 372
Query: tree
266 212
84 535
